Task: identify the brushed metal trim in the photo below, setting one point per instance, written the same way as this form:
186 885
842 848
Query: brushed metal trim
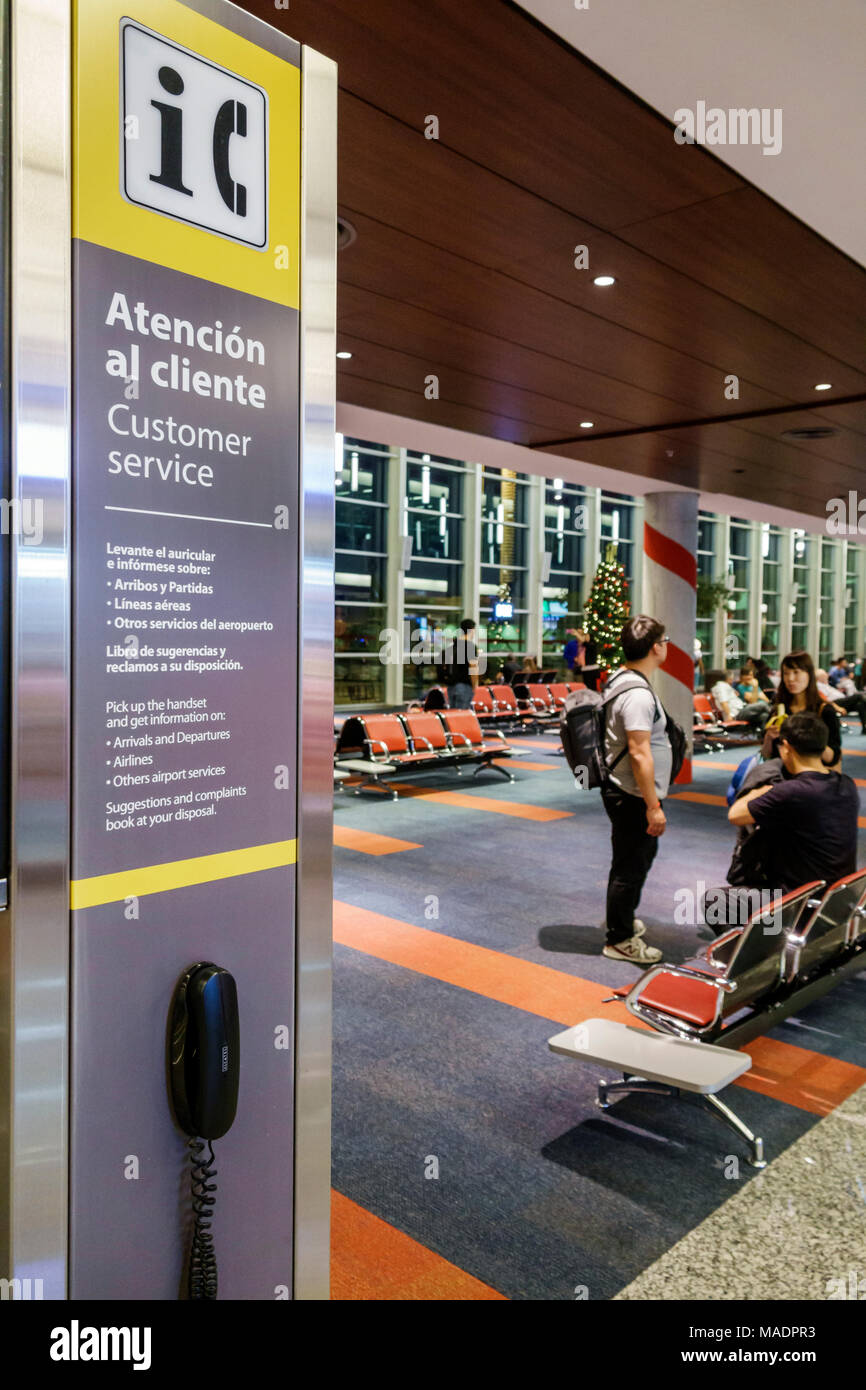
34 957
248 26
316 684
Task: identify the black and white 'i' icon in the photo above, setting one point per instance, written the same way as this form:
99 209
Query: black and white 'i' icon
194 138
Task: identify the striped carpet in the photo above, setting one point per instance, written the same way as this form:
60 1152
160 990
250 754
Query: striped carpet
470 1162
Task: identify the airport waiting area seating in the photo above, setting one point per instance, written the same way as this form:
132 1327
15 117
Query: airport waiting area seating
516 708
376 748
712 732
696 1015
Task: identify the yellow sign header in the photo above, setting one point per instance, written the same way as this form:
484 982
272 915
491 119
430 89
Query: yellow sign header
186 146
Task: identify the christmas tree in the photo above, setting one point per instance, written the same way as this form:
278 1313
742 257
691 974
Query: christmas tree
607 609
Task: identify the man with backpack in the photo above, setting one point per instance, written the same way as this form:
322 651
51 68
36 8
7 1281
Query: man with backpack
638 758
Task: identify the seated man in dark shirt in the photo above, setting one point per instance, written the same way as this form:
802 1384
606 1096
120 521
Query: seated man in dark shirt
807 823
798 825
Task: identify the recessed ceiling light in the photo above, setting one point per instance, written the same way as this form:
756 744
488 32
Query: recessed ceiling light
345 355
604 280
587 424
824 386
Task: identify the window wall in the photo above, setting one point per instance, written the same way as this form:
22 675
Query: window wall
772 546
481 538
802 598
360 577
566 520
826 605
706 625
433 597
853 640
737 636
504 561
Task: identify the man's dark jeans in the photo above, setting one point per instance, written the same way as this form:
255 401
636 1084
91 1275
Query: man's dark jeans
633 853
460 696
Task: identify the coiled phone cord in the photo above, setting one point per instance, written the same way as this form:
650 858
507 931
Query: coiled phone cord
202 1258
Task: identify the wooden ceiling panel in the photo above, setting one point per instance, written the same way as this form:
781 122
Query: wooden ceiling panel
532 415
428 337
463 265
509 97
746 247
473 296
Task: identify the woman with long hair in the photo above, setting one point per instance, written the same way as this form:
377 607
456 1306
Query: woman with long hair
798 691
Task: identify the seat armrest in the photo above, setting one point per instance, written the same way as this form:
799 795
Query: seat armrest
377 743
420 738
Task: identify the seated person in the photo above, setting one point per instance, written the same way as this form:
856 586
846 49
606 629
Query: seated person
843 699
768 681
748 689
511 666
731 706
805 825
838 671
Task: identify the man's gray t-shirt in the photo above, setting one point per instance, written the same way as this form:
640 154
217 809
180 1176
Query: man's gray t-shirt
628 713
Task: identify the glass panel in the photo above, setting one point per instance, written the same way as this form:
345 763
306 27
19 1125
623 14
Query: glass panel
504 636
566 552
363 476
429 583
434 489
439 537
360 528
358 680
357 628
617 521
359 578
503 499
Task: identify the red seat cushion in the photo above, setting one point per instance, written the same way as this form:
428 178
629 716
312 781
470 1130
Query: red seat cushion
691 1000
426 726
387 729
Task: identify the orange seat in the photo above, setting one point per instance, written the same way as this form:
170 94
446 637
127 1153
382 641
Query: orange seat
427 730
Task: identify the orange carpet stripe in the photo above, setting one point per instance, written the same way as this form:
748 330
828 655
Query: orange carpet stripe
725 767
371 1260
792 1074
537 989
369 843
854 752
806 1079
704 797
549 745
485 803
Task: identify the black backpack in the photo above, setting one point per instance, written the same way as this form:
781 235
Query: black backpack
582 731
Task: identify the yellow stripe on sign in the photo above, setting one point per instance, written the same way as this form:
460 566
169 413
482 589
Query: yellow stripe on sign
183 873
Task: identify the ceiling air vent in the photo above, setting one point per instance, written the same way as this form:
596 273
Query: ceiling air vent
810 432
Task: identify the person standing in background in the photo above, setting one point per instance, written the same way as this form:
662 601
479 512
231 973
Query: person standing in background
587 660
459 669
638 754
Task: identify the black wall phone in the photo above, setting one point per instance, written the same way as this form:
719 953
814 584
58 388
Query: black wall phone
204 1067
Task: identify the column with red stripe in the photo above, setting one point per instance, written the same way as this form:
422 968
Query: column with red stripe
669 593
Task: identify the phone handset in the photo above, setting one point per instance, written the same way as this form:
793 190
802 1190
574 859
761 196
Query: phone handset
204 1068
231 119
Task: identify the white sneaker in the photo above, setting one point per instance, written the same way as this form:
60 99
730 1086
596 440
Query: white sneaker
633 950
